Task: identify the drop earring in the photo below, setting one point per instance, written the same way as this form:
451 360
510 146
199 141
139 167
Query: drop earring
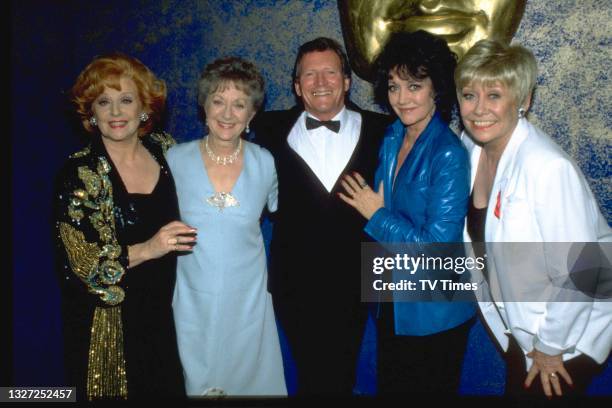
93 122
144 116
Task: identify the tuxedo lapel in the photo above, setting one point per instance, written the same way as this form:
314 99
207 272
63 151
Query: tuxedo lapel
354 156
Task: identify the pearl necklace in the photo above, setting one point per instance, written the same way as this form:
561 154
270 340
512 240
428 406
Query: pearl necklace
223 160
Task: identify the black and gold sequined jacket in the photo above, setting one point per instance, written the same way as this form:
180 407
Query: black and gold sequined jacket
85 219
92 264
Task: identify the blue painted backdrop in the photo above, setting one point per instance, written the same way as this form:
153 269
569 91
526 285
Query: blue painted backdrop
52 41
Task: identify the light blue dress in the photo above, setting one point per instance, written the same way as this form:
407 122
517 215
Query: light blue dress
226 331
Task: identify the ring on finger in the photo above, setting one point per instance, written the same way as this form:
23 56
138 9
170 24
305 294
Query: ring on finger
363 184
552 375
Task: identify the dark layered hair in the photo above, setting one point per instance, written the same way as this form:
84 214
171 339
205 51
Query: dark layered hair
418 55
321 44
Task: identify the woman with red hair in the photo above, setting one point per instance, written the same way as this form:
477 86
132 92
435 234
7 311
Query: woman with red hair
117 236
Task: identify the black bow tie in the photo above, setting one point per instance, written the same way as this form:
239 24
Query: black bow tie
312 123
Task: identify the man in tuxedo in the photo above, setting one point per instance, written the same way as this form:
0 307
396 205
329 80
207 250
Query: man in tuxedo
315 249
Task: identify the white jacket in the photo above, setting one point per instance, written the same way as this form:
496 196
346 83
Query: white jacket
543 197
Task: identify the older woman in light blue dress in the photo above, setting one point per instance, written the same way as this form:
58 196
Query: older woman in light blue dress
226 330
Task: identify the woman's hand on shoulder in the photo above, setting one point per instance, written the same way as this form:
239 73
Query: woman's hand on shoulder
174 236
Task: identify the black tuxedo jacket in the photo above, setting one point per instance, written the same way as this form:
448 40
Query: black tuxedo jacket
316 241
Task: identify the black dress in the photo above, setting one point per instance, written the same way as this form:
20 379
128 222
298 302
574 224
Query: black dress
119 334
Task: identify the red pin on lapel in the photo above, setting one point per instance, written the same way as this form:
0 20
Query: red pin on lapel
497 211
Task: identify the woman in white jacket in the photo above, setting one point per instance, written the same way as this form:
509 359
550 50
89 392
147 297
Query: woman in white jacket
526 189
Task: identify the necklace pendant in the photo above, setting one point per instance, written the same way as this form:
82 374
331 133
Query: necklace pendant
222 200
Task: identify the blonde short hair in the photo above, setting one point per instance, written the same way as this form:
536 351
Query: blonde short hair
490 61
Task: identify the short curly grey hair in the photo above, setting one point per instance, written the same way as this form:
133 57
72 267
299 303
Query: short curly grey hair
241 73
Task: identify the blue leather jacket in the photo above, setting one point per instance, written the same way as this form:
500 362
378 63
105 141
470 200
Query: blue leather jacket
428 203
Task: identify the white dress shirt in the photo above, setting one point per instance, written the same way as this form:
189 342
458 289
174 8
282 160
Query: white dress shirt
326 153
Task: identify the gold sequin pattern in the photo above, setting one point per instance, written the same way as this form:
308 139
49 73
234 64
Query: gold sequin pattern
113 295
111 251
84 258
165 140
82 255
81 153
96 267
106 233
92 181
110 272
106 369
75 213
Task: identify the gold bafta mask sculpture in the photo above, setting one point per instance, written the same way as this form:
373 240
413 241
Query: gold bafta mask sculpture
367 24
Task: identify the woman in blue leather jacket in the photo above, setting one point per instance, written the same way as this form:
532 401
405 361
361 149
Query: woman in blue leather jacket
423 188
